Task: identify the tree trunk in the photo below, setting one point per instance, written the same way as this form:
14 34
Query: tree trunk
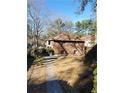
37 38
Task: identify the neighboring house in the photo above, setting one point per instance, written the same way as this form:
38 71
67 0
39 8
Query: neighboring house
90 40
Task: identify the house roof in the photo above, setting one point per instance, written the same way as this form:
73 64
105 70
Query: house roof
66 36
72 37
88 37
68 41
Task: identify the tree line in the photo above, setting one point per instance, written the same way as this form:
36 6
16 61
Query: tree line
40 26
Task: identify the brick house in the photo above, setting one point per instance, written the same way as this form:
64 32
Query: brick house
68 44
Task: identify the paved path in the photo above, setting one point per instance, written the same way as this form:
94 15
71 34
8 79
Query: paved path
52 84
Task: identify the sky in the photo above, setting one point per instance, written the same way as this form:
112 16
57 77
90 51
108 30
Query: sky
67 9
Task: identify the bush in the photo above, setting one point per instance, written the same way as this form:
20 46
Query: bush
49 50
33 52
91 56
38 61
94 90
91 61
30 59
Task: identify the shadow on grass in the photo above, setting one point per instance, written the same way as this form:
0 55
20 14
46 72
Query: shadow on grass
66 88
90 60
85 82
36 88
42 88
91 56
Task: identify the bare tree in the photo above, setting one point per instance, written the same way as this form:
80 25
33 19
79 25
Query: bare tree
34 14
68 26
55 27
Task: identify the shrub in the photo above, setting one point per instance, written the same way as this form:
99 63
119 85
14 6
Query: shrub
38 61
91 56
33 52
49 50
94 90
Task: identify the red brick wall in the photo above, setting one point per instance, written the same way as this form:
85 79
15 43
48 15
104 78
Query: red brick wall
68 48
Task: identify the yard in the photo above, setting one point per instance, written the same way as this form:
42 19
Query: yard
69 71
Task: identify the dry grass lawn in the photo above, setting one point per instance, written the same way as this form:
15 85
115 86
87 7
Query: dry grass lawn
36 74
69 68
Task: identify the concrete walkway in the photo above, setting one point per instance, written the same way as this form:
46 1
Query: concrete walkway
52 84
